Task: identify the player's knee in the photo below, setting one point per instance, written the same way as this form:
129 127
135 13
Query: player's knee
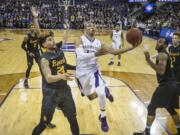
71 116
92 96
151 110
101 91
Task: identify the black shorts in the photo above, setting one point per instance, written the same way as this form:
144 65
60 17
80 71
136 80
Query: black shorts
166 96
62 98
30 59
177 74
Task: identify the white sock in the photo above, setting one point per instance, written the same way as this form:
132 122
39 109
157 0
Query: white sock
148 126
103 113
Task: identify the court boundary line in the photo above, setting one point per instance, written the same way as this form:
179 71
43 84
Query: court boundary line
9 92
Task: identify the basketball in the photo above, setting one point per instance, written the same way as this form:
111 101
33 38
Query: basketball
134 36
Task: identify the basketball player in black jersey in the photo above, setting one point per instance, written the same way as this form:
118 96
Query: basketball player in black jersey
174 52
165 95
56 91
31 45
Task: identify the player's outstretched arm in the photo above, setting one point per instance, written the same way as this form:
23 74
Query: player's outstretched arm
35 15
113 51
160 68
65 35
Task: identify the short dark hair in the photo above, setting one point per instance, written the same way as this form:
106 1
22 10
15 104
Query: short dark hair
177 33
42 39
166 42
51 33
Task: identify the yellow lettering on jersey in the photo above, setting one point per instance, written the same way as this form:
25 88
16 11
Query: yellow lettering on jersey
56 63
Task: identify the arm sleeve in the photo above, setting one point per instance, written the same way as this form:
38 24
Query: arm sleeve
70 67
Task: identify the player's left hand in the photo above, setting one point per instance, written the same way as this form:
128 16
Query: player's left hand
101 52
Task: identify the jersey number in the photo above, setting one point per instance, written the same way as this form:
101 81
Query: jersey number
60 69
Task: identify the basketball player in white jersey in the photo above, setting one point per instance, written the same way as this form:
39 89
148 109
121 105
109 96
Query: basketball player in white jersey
88 75
117 42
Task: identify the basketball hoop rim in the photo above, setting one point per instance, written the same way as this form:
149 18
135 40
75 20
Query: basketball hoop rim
66 4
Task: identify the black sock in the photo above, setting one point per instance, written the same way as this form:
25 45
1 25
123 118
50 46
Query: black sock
147 130
39 129
178 130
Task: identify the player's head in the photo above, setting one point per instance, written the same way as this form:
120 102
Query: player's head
176 38
117 27
89 28
48 42
32 28
161 44
51 33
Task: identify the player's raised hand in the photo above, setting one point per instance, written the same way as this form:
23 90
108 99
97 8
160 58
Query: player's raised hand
34 12
102 51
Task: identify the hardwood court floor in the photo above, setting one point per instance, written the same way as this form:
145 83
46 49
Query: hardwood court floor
125 115
19 117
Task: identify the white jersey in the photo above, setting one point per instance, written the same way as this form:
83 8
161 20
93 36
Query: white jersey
86 66
116 37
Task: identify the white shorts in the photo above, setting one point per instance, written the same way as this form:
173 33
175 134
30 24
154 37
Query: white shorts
88 83
116 46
